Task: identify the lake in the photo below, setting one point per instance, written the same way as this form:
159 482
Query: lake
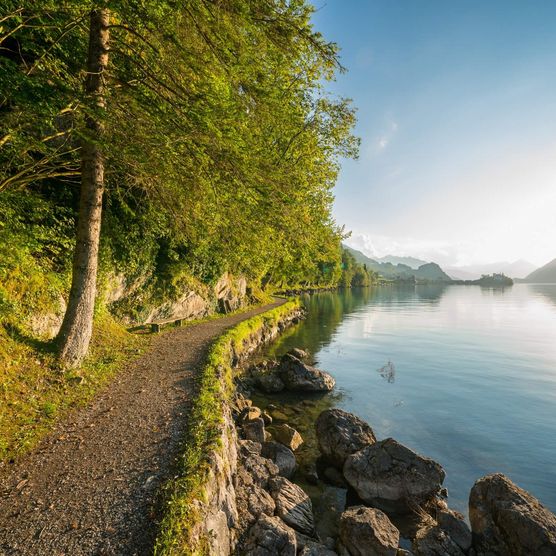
472 380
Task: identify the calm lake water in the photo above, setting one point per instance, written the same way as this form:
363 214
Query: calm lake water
474 385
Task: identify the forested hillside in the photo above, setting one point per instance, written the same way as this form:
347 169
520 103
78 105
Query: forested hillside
181 140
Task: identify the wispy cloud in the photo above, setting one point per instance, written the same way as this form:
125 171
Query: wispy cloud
382 141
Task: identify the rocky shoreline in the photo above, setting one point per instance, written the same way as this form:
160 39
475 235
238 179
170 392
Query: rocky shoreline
384 499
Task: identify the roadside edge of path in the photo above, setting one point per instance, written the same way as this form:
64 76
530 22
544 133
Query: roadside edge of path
198 502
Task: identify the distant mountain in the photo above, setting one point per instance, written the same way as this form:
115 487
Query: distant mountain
408 261
427 271
516 269
544 275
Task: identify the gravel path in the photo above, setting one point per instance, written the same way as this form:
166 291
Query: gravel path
91 487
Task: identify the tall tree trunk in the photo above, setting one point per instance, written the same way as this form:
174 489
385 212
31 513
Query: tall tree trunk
77 328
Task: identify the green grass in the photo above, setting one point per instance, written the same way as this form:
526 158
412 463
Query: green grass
35 393
181 513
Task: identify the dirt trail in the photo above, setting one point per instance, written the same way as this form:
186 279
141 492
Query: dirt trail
90 487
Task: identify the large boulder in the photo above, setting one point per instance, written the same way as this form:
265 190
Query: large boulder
507 520
298 376
293 505
270 536
340 434
392 477
282 456
368 532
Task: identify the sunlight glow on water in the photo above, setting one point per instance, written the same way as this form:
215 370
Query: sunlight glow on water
475 375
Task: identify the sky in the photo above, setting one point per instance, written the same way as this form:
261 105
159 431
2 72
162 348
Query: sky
456 105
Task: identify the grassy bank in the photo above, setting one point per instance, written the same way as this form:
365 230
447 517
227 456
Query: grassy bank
35 393
181 513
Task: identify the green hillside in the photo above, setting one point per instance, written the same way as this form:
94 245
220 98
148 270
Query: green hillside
427 272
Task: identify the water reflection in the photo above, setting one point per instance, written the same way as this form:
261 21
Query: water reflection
475 375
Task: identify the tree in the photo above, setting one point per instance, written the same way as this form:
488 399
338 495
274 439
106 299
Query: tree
77 327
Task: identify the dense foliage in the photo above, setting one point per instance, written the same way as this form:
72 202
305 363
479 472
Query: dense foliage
221 145
355 274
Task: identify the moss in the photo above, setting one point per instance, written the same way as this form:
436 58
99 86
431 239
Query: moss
182 515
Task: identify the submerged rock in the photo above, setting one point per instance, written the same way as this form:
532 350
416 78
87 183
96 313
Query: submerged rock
340 434
293 505
282 456
390 476
270 383
270 536
507 520
368 532
301 354
287 436
298 376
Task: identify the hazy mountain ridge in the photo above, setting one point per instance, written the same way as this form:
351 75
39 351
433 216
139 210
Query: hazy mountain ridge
544 275
408 261
426 271
515 269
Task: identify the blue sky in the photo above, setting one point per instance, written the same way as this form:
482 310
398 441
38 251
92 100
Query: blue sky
457 114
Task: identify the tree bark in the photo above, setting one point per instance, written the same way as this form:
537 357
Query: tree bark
77 328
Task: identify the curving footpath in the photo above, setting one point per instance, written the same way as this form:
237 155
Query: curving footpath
91 487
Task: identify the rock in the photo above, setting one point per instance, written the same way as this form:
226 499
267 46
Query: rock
298 376
334 477
270 383
261 469
390 476
266 418
278 415
328 508
287 436
282 456
251 499
242 403
293 505
453 523
300 354
507 520
316 549
230 292
254 430
341 434
249 413
311 475
249 447
270 536
434 541
368 532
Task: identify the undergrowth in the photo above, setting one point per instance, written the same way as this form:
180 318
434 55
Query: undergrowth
181 512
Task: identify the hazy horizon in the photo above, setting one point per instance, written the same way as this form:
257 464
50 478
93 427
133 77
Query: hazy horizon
456 112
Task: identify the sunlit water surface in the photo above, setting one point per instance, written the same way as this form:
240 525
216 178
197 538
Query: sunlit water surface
474 385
